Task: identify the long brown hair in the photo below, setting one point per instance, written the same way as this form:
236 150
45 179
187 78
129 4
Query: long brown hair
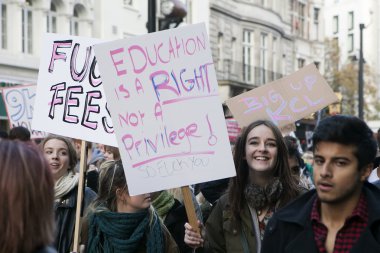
281 169
114 150
112 178
26 198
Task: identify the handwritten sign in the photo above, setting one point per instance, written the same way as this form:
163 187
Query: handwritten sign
70 98
168 119
19 101
284 101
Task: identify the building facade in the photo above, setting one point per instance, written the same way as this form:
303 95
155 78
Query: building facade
258 41
343 19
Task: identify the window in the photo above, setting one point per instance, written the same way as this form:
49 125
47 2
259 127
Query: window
301 19
301 63
298 17
316 15
263 56
74 24
3 26
350 43
27 28
220 51
316 23
335 24
128 2
350 20
247 55
293 20
51 20
233 49
274 54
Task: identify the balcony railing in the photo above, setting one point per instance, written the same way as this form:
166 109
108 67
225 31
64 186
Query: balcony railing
245 73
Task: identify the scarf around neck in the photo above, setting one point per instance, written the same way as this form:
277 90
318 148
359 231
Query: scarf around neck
163 203
260 197
65 184
112 232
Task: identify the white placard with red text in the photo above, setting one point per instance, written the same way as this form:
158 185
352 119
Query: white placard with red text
168 118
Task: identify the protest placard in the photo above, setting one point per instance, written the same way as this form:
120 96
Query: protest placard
284 101
70 99
19 101
168 118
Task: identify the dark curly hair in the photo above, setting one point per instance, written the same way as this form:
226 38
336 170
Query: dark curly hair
348 130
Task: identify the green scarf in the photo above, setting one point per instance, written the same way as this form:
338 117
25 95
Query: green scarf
111 232
163 203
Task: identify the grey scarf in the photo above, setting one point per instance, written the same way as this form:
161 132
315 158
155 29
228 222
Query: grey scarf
260 197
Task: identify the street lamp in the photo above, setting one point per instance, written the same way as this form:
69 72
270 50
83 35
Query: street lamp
151 25
360 76
173 11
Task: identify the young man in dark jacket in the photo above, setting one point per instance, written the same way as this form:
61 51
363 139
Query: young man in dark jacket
343 213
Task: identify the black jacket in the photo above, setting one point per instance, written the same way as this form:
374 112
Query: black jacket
45 250
175 222
377 183
290 229
65 212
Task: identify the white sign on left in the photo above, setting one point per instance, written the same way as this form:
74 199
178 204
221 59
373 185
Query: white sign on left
70 100
19 101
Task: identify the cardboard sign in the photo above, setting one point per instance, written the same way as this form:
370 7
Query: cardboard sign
19 101
70 100
284 101
168 118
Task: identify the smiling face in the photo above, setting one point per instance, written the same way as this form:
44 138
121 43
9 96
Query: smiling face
57 155
261 149
336 173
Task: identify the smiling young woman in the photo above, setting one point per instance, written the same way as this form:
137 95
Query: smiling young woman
62 158
262 185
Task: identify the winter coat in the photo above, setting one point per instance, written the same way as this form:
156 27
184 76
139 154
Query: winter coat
290 229
377 183
65 212
225 235
45 250
175 221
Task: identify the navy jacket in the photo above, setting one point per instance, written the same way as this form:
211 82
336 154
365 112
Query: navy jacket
290 229
65 212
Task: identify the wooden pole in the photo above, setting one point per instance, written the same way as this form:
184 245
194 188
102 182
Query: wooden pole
81 185
189 205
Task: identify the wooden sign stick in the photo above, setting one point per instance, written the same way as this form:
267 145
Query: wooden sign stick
81 185
189 205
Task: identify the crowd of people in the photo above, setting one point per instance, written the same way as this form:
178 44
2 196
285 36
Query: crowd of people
277 202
